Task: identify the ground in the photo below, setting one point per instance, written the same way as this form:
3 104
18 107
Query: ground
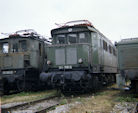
108 100
102 102
27 96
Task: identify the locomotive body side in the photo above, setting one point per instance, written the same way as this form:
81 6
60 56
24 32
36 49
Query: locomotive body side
103 54
128 60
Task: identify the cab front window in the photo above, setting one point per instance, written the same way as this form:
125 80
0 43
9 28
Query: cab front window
15 47
83 37
60 39
72 38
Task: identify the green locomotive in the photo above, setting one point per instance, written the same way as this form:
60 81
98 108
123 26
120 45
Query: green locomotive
22 57
80 58
128 60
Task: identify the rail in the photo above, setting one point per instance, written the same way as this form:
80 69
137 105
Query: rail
9 109
135 110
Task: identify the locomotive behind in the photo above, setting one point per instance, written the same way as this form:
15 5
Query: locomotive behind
128 60
80 58
22 56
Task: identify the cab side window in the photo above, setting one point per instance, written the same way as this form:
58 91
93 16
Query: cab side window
110 49
114 52
23 45
5 47
40 49
104 45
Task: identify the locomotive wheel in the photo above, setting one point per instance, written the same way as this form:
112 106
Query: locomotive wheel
96 84
137 87
1 88
6 92
20 85
134 86
86 85
1 93
6 89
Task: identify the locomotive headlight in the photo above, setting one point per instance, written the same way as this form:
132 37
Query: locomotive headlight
49 62
80 61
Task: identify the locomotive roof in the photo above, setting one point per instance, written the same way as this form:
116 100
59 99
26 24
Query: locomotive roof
26 34
128 41
18 36
79 27
67 27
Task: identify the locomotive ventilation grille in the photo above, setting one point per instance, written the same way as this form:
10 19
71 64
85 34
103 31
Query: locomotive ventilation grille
66 56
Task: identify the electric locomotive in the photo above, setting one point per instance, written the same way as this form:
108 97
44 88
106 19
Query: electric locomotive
80 58
22 56
128 60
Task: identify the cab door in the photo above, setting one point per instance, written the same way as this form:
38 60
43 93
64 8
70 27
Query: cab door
41 54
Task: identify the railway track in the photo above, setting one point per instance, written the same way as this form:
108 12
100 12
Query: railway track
135 110
36 106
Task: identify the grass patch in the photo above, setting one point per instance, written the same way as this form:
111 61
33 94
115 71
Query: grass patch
102 101
39 108
64 101
80 99
94 104
126 98
27 96
101 93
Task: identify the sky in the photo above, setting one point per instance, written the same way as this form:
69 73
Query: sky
116 19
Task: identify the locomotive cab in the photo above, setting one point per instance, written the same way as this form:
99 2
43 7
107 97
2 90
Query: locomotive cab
75 51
